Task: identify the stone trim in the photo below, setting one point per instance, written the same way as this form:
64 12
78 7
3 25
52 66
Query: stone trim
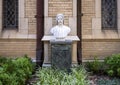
46 8
22 31
97 32
74 8
73 25
98 8
47 20
101 40
47 25
73 19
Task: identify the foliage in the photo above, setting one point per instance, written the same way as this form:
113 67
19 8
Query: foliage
2 60
113 65
94 66
108 81
110 72
15 71
49 76
118 72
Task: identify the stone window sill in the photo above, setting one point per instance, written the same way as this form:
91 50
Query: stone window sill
15 34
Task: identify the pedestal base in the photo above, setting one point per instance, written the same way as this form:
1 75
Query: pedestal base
61 52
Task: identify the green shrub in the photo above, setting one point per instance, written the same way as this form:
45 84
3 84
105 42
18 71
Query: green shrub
1 82
94 66
110 72
15 71
118 72
25 64
113 64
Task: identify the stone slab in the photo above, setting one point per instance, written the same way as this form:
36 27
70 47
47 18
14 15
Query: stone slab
72 38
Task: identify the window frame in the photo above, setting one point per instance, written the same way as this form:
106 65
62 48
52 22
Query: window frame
107 27
17 20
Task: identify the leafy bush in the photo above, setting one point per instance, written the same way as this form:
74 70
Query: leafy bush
94 66
49 76
113 65
118 71
2 60
15 71
110 72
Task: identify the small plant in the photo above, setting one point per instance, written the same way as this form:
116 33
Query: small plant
2 60
118 72
49 76
113 64
110 72
94 66
15 71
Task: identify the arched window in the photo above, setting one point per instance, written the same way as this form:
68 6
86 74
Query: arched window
10 14
109 14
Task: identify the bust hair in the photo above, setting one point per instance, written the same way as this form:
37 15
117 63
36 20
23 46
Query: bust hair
59 15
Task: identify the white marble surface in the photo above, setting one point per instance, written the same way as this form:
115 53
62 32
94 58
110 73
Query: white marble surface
60 30
48 38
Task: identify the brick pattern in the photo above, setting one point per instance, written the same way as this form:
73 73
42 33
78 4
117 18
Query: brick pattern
17 48
100 49
30 12
14 47
88 10
96 47
60 6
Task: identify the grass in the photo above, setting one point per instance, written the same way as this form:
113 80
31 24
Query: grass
49 76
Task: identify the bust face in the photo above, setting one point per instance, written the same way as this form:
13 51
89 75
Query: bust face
60 20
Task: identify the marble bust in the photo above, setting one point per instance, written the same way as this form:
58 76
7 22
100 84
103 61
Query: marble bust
60 31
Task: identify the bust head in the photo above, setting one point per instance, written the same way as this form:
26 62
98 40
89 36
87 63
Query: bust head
60 30
60 19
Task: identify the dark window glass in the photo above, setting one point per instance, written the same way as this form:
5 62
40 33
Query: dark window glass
10 14
109 14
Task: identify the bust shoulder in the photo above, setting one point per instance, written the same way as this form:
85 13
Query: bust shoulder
66 27
53 29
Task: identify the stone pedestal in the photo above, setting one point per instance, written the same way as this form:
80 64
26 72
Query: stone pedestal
47 47
61 52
